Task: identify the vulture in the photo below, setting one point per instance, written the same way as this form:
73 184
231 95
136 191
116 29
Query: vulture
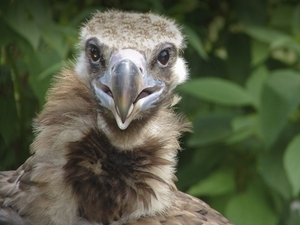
107 138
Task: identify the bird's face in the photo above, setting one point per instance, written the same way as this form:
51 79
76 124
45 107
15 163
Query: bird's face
131 70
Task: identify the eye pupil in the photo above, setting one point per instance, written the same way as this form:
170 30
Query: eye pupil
164 57
95 53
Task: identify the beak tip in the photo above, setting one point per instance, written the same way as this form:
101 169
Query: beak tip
125 112
123 116
122 124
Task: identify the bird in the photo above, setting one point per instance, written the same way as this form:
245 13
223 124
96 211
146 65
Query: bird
106 141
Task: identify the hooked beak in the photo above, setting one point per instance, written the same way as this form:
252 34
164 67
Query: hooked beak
126 88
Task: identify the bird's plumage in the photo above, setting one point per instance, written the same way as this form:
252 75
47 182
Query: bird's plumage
92 163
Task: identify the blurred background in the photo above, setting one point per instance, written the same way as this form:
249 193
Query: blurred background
243 96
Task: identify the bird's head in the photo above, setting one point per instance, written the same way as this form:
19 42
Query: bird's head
131 61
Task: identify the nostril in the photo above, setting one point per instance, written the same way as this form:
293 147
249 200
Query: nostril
143 94
108 91
141 70
105 89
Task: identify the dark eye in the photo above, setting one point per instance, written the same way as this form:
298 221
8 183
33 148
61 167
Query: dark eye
95 53
163 57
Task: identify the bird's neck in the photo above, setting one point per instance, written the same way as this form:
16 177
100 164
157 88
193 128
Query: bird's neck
123 183
110 179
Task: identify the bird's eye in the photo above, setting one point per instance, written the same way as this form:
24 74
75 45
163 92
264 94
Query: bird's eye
163 57
95 53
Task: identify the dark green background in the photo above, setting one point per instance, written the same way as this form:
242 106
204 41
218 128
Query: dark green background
243 96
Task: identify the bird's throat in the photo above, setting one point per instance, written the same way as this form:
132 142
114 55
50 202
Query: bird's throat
120 183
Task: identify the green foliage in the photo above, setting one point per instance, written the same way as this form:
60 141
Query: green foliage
217 91
243 96
251 207
291 164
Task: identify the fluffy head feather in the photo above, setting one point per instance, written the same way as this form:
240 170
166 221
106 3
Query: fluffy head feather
139 31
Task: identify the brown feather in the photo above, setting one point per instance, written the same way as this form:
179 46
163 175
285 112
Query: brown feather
187 210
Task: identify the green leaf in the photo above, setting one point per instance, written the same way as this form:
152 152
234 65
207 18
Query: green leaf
39 87
197 164
8 118
250 208
218 91
6 33
17 19
251 12
50 71
292 165
242 122
211 128
195 41
53 35
267 35
243 127
255 82
270 166
218 183
40 11
282 43
238 61
282 16
280 97
294 214
259 52
40 67
296 20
